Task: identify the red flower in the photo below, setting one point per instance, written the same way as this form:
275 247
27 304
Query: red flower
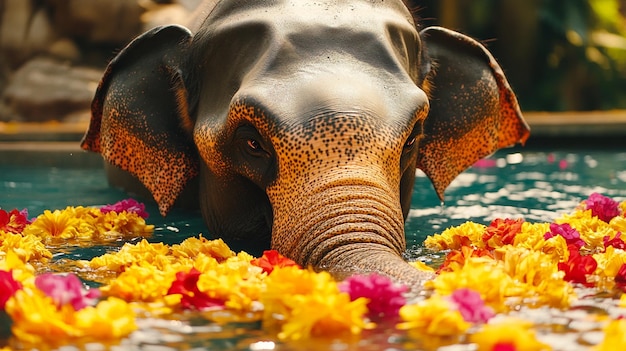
272 259
602 207
14 221
616 242
385 297
8 287
502 232
578 267
571 235
455 259
186 284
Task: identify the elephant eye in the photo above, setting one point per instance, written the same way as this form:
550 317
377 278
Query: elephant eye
254 145
410 142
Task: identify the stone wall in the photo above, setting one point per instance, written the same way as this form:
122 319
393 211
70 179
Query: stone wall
53 52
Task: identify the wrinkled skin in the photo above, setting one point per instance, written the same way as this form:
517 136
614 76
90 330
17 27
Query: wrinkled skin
304 123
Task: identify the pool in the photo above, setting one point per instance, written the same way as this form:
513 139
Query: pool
537 184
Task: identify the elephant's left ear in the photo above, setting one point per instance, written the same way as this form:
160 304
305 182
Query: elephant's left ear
139 116
473 111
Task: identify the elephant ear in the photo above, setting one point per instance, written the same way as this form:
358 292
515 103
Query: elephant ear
473 111
139 114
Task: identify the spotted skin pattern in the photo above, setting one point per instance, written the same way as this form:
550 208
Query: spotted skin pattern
304 123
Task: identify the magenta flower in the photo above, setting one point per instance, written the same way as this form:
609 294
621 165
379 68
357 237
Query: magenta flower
128 205
602 207
471 306
8 287
571 235
617 242
66 289
385 297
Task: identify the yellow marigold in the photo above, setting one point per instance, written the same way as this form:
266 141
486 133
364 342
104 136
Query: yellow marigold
614 336
38 321
27 247
310 304
592 230
618 223
113 225
234 281
192 247
468 233
485 276
609 262
143 282
531 236
434 316
22 271
143 251
511 334
109 319
57 224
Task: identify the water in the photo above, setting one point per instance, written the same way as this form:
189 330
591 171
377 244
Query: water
538 185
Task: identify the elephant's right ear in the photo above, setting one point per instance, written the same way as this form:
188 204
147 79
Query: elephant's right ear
139 115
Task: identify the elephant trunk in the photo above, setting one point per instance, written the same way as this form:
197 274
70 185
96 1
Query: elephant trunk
345 227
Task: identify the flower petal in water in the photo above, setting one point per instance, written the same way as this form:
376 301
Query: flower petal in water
186 284
510 335
385 297
8 287
128 205
602 207
471 306
272 259
66 289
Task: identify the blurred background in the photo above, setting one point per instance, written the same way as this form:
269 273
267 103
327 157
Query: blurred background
559 55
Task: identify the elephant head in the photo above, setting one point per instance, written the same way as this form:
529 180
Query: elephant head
304 122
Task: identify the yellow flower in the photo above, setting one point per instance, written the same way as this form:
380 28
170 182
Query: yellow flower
22 271
515 333
434 316
192 247
609 262
422 266
618 223
27 247
37 320
308 304
592 230
614 336
143 282
57 224
109 319
485 276
455 237
143 251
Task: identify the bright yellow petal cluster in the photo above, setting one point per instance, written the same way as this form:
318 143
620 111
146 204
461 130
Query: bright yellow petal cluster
307 304
614 336
37 320
433 316
27 247
483 275
512 333
592 230
20 269
455 237
85 223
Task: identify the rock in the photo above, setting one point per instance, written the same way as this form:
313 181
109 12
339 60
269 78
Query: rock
25 30
46 89
101 21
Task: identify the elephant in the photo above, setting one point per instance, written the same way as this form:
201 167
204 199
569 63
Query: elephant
303 123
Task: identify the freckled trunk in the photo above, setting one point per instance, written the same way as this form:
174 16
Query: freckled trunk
345 226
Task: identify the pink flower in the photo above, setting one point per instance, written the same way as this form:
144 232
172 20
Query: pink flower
385 297
186 284
128 205
8 287
578 267
617 242
66 289
571 235
471 306
602 207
